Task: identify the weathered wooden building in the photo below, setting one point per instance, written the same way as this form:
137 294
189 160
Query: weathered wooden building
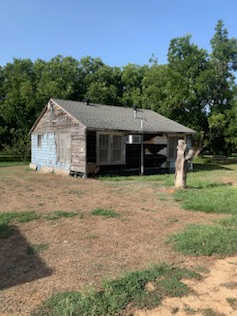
84 139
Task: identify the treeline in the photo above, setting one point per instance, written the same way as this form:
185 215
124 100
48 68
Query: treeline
196 88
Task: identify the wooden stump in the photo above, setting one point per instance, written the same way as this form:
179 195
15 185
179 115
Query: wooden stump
182 164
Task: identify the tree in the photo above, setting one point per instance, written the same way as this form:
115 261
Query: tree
132 76
106 86
224 63
154 88
59 78
25 89
187 88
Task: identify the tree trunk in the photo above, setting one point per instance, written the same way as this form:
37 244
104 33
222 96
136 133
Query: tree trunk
200 146
182 164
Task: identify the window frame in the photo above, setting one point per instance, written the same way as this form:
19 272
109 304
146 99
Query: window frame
39 140
110 149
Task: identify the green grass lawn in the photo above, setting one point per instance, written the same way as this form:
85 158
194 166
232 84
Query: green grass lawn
207 193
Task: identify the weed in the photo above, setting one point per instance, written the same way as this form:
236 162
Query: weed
105 213
91 236
20 217
24 217
206 240
233 302
210 312
58 214
5 231
174 310
115 295
190 311
61 304
34 249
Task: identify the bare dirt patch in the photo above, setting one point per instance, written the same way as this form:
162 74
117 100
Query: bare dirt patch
85 249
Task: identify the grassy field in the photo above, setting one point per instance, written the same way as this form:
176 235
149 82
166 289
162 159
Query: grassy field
132 202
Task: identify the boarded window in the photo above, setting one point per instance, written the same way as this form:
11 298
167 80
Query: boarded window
111 149
65 147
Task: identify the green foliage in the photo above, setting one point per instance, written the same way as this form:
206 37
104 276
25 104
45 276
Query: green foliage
131 80
58 214
206 240
233 302
195 88
210 197
5 231
210 312
12 163
34 249
155 89
188 70
105 213
20 217
61 304
115 295
132 178
229 222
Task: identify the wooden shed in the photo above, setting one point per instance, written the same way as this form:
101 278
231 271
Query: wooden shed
86 139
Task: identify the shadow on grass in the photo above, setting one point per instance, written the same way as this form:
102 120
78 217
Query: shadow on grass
209 185
16 266
210 167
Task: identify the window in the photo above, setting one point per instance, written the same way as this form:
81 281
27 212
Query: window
65 147
104 147
111 149
117 156
39 140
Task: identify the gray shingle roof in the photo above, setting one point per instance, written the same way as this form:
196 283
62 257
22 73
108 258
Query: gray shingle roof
105 117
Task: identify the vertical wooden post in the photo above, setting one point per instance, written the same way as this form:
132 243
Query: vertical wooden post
142 156
142 150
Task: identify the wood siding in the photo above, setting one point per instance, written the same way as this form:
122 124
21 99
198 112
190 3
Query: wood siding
55 121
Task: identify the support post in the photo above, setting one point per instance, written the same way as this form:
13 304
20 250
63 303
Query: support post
142 156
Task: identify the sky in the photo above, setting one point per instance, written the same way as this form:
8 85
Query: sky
117 31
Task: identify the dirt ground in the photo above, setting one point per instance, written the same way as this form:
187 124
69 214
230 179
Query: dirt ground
83 250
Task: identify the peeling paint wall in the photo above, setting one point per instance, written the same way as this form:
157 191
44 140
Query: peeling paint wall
46 155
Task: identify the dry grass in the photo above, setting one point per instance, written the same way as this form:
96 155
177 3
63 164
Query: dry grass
73 260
